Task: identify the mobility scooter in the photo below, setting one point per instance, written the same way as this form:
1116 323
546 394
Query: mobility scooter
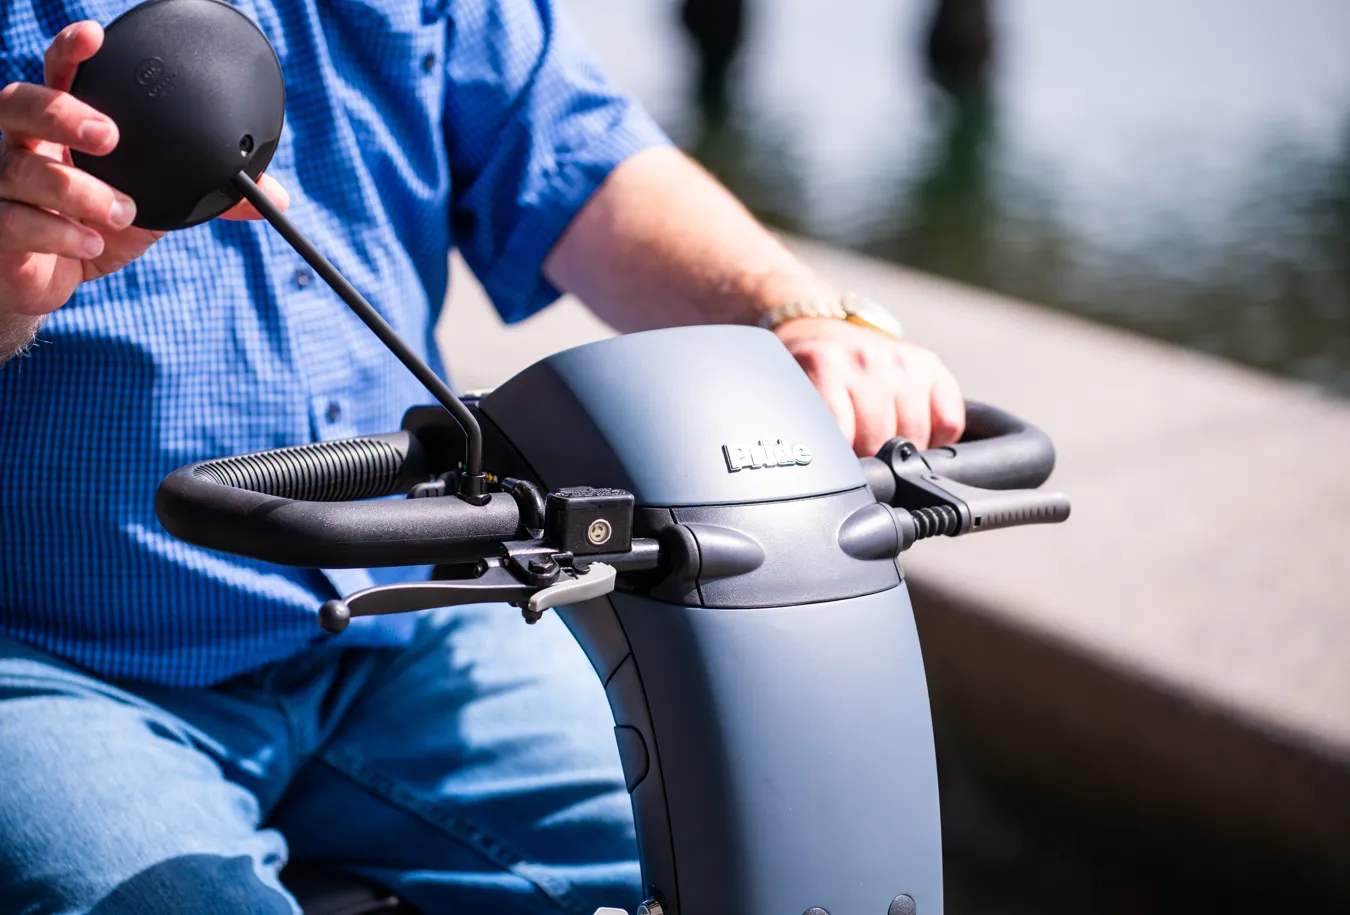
682 498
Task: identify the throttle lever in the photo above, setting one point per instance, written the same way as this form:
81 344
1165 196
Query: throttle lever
991 509
929 505
495 584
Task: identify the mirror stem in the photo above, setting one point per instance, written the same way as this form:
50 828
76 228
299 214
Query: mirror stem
473 461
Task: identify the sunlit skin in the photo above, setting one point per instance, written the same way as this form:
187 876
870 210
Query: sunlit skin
60 226
660 243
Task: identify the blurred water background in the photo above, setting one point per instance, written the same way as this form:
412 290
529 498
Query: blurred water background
1181 169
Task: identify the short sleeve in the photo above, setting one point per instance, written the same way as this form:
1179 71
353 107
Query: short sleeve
533 127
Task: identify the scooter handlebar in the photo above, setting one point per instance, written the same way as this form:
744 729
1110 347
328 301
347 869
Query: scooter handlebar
325 505
998 451
299 507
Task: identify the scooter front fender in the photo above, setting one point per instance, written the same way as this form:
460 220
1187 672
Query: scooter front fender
779 759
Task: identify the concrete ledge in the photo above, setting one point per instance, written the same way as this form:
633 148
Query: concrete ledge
1175 661
1137 770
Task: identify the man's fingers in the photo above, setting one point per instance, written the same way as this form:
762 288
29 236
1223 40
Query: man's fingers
274 191
27 177
28 230
30 113
876 388
73 46
827 371
948 409
874 410
835 393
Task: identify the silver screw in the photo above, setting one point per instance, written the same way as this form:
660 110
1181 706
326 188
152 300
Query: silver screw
650 907
599 532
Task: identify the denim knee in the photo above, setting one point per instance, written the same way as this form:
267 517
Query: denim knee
107 807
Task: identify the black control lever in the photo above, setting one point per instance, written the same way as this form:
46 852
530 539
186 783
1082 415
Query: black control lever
496 583
587 539
928 504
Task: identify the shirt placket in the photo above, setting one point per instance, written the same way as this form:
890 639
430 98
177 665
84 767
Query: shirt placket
321 351
316 325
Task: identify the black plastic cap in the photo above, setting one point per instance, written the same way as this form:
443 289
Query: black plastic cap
586 519
197 94
334 616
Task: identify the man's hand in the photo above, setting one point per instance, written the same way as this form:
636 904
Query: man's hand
876 387
59 225
661 243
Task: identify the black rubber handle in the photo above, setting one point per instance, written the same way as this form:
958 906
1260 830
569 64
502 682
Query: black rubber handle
296 506
998 451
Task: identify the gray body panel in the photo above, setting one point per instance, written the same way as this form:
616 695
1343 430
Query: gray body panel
786 754
650 413
802 559
776 740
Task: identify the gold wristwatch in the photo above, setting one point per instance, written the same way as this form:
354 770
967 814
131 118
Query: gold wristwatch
852 308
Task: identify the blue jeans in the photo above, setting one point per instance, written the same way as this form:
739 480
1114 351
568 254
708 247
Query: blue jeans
475 771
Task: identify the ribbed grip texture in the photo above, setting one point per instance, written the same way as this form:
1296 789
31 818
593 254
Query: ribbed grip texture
1012 509
939 521
359 468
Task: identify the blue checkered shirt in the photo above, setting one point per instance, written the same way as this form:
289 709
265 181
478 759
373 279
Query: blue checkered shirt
412 126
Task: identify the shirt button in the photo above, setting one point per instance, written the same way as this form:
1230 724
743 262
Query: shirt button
334 411
428 63
303 277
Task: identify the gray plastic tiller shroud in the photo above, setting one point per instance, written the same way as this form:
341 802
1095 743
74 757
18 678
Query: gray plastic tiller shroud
774 726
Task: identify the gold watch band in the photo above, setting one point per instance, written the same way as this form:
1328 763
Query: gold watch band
802 308
842 309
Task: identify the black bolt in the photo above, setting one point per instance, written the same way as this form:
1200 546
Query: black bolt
541 565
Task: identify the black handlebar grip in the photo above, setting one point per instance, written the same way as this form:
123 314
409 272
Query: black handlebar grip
292 506
998 451
358 468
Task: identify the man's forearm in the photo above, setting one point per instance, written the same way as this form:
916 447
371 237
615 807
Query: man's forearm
662 243
16 333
